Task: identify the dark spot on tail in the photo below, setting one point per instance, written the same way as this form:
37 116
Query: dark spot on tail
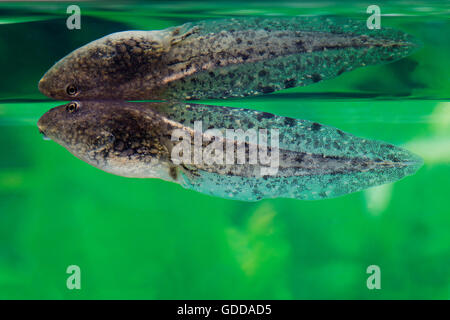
316 77
267 89
299 45
262 73
290 122
341 71
264 115
244 56
299 158
289 83
394 158
316 126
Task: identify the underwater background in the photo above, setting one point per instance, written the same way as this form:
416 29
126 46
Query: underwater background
151 239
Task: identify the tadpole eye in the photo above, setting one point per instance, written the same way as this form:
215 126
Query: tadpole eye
71 90
72 107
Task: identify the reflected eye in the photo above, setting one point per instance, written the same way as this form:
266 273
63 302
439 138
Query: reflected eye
72 107
71 90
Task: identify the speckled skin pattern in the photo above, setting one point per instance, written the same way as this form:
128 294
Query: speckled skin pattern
134 140
221 58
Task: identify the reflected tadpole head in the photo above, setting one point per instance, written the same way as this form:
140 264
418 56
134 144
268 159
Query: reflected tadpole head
81 127
56 123
113 136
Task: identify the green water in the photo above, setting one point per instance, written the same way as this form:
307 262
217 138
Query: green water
150 239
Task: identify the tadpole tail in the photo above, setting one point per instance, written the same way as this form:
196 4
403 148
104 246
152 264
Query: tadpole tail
314 49
316 161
